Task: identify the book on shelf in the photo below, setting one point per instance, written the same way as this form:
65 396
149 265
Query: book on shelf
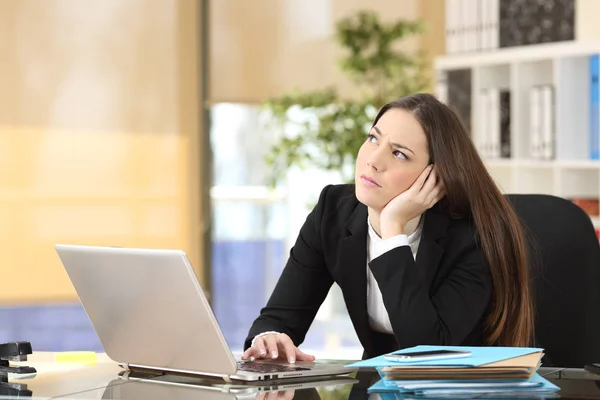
541 122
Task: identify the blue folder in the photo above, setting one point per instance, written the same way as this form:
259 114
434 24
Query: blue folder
537 384
479 356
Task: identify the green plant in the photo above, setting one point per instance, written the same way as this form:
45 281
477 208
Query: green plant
332 128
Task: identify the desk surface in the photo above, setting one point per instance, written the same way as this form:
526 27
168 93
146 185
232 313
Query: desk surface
106 380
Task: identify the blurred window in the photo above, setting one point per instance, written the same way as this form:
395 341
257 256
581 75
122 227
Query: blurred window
254 227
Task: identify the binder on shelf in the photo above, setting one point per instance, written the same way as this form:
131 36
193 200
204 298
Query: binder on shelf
484 25
594 107
472 25
441 86
505 122
494 123
459 92
494 24
535 122
484 137
547 122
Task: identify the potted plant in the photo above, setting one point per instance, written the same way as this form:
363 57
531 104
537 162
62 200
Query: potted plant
333 128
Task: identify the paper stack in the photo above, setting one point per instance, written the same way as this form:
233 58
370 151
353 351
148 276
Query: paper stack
489 372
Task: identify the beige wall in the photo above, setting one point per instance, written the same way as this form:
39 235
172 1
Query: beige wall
264 48
98 134
586 20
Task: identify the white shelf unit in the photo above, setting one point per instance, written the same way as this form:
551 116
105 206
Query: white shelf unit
565 65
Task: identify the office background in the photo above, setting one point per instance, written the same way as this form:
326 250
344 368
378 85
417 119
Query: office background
138 123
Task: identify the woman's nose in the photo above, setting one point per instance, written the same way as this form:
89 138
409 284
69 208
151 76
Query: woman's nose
372 164
375 160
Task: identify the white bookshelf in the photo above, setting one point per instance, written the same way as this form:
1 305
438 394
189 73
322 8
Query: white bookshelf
570 173
518 55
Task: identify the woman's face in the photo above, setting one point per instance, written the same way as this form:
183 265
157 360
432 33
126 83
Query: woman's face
391 159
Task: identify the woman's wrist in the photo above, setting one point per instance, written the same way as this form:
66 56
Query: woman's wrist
391 229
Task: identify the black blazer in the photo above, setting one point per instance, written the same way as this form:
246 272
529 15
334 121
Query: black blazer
441 298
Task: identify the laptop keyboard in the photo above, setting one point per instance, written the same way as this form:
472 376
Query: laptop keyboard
268 368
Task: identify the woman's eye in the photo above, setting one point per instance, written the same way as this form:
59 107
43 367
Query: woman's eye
372 138
400 155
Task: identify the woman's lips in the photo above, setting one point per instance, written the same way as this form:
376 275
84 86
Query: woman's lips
368 181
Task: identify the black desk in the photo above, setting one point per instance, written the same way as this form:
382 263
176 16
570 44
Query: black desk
108 381
574 383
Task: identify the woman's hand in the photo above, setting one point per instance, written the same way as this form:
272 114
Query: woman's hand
276 346
422 195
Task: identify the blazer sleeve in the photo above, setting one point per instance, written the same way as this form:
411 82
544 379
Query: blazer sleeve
444 317
302 286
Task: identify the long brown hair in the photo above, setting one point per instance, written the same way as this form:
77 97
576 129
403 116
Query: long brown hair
471 191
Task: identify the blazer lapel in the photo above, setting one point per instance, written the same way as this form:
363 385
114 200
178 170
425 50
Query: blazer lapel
353 264
430 252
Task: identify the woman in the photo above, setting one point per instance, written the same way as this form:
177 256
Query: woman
424 247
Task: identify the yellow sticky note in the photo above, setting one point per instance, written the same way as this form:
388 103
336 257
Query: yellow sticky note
81 357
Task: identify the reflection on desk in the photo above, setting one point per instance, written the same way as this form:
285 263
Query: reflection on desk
172 387
106 380
576 382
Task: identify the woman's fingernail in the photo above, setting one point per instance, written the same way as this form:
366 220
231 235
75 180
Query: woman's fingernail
292 359
274 354
262 352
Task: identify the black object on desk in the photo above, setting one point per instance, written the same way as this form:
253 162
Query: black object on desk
593 368
15 351
13 389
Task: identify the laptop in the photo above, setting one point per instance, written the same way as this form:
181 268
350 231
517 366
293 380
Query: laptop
150 313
